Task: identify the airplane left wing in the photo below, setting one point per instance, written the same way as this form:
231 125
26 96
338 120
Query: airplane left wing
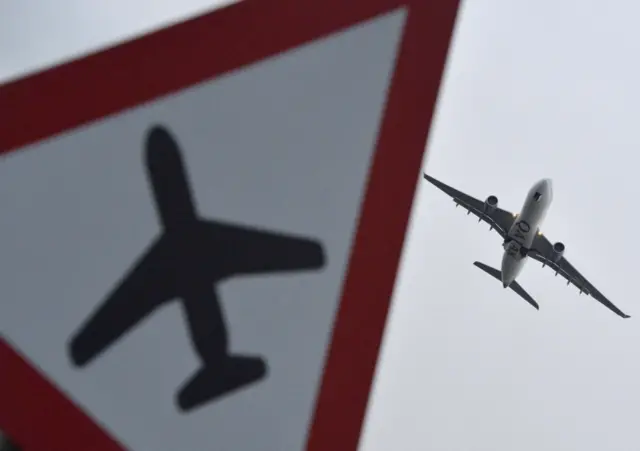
147 284
499 219
542 251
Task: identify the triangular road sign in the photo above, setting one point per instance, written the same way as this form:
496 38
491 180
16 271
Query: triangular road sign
202 227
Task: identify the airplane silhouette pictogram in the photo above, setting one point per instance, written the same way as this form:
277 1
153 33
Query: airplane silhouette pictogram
185 262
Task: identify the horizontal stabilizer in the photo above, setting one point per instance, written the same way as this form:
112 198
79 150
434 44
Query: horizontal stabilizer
515 286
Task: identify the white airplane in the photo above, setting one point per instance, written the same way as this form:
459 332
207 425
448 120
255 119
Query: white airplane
522 239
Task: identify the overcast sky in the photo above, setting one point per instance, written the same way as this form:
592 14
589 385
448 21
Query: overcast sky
533 89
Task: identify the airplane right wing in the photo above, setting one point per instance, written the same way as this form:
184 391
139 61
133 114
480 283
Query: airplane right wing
499 219
250 250
542 251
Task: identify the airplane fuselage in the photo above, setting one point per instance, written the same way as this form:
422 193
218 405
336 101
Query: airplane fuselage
527 224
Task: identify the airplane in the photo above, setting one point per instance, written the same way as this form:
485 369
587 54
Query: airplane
523 239
185 261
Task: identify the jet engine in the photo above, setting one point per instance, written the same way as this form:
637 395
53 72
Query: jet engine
490 204
558 251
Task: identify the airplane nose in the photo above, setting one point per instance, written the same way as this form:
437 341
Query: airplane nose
549 188
545 186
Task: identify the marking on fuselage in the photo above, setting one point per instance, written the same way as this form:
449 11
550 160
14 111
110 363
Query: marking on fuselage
522 228
513 248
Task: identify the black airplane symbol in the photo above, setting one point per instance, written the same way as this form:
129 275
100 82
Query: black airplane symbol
185 261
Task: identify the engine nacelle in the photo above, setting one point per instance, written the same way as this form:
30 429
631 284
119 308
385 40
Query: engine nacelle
490 204
558 251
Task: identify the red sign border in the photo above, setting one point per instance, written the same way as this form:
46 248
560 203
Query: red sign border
33 411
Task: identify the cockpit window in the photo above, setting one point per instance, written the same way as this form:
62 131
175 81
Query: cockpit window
537 196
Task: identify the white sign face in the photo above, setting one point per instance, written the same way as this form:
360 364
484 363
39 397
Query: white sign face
194 352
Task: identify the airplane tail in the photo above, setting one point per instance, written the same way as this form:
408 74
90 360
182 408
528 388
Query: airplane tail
515 286
230 373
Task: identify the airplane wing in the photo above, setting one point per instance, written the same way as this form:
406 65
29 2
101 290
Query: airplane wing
542 251
143 288
500 220
249 250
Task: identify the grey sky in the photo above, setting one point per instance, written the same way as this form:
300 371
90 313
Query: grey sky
533 89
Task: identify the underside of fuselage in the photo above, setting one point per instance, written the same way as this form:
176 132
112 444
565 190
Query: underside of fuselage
521 235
